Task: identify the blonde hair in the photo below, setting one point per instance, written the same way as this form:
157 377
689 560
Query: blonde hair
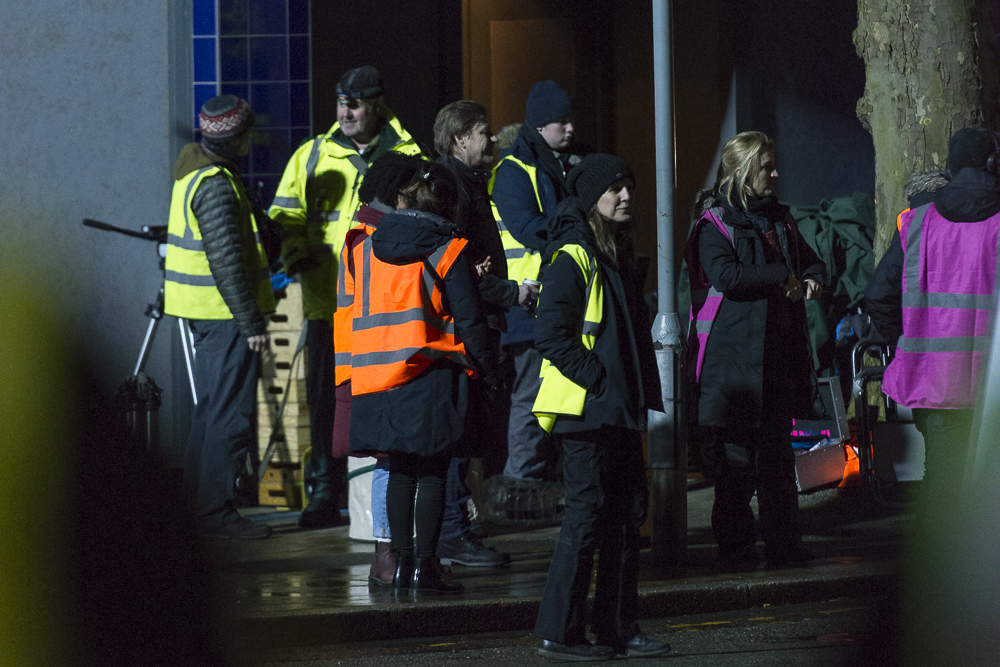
740 159
613 240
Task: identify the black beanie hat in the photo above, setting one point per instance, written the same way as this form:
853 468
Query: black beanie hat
594 174
547 102
224 118
387 176
361 83
970 147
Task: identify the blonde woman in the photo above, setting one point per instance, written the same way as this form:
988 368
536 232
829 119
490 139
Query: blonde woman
749 350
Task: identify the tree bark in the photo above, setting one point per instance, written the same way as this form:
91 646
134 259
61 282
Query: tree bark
931 69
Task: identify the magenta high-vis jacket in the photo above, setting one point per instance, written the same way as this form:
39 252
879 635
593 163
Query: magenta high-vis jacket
705 299
949 272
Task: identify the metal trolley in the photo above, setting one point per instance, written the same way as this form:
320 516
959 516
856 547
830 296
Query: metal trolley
891 450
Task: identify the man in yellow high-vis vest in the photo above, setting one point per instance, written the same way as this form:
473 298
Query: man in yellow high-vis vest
527 185
217 278
316 203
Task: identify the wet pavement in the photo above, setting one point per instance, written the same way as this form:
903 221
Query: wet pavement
302 588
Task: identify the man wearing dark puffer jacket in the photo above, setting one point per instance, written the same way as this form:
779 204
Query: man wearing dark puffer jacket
217 278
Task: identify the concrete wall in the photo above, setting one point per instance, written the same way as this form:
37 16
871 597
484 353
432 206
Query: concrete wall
92 112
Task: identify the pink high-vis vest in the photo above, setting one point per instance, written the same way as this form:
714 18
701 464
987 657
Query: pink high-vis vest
705 299
949 272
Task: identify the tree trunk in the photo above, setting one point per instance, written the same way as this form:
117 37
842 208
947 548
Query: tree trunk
931 69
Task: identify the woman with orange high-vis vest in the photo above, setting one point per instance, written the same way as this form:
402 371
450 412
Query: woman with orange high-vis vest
420 345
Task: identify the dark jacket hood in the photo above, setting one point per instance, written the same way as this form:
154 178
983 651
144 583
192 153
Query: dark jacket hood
408 236
568 226
970 196
193 157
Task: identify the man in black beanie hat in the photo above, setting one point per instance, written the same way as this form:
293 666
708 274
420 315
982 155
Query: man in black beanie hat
316 203
217 278
947 251
527 185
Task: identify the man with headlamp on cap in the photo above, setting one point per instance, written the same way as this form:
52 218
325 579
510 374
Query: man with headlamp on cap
217 278
316 203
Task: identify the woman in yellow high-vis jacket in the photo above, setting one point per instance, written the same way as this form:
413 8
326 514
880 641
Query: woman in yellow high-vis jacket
598 380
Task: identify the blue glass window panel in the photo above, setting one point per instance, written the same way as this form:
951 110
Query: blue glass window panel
203 17
233 54
203 92
299 135
298 58
204 59
298 17
232 17
299 103
267 17
268 59
269 151
270 104
237 89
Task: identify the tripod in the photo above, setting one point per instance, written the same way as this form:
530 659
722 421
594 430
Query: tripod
139 396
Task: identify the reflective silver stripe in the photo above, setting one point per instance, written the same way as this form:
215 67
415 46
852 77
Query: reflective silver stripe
186 243
185 279
947 300
187 199
287 202
330 216
912 257
366 276
342 282
342 358
590 328
502 227
945 344
518 253
365 322
313 158
345 300
359 163
396 356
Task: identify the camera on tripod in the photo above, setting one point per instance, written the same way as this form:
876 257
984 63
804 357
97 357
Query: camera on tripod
139 396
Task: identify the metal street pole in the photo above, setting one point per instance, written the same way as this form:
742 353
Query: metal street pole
667 456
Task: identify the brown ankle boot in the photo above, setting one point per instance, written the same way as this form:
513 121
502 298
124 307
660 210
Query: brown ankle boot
384 566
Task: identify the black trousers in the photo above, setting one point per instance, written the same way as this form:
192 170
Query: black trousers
415 498
327 475
606 498
757 460
224 423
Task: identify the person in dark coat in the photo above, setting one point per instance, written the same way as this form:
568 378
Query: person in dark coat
755 372
420 422
463 138
599 380
529 182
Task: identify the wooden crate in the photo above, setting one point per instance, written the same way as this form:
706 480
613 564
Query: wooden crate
288 313
272 389
281 487
290 445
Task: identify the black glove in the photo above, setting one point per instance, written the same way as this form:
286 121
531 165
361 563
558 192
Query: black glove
303 265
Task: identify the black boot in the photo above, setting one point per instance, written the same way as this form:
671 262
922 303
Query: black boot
429 576
404 572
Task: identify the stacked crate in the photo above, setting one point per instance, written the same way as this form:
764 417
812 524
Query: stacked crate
280 372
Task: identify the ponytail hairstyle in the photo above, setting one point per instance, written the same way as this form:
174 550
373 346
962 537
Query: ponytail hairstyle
432 189
740 159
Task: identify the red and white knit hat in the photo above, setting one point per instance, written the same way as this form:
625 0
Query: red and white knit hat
225 117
